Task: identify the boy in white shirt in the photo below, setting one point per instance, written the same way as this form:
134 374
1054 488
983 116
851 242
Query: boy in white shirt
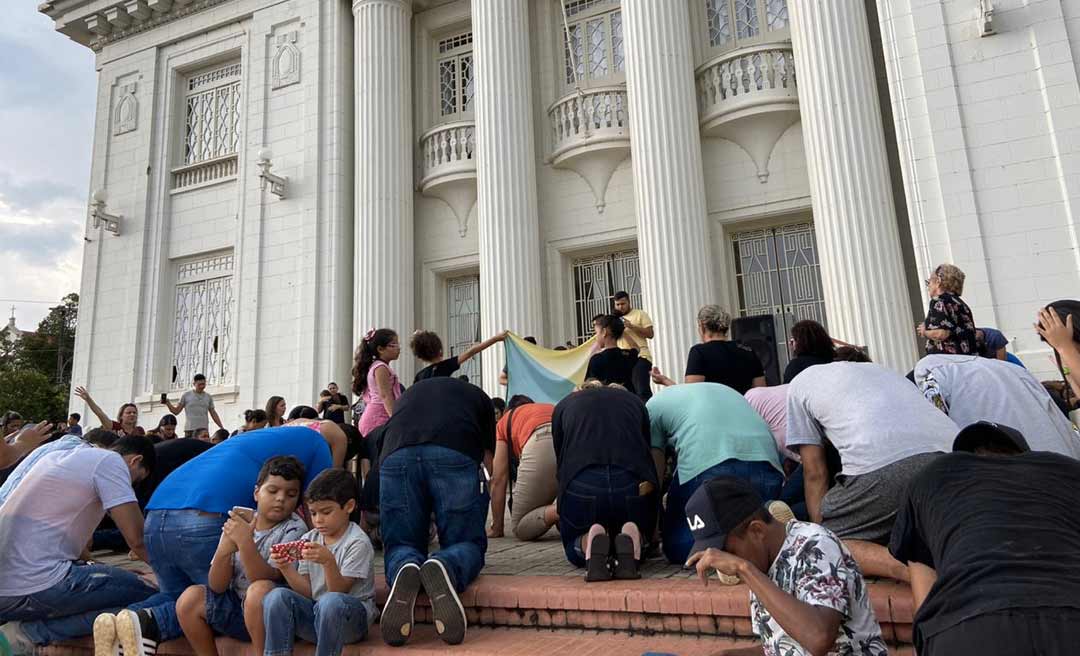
330 600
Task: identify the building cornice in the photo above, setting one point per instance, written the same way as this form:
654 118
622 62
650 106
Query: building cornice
97 23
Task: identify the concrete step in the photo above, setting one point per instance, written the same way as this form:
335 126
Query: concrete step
486 641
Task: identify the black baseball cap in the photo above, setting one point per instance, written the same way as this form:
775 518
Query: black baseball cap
717 508
986 433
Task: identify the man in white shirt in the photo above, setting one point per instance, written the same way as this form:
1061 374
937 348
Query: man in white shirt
196 404
47 592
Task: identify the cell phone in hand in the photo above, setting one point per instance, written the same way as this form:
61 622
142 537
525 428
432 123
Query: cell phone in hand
164 397
248 514
288 551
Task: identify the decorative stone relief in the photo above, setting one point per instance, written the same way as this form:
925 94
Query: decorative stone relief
286 61
126 113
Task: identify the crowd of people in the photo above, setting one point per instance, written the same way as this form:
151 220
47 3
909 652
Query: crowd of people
956 479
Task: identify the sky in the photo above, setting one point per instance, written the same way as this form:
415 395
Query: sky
47 96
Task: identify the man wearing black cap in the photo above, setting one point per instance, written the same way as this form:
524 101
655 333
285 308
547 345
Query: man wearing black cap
993 555
807 594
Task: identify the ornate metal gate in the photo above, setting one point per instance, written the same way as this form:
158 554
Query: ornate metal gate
463 310
778 273
596 279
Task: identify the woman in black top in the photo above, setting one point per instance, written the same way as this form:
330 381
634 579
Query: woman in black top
810 345
717 359
949 326
612 364
427 346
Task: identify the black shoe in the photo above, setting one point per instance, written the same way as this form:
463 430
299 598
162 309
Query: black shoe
446 606
625 567
598 565
398 616
137 632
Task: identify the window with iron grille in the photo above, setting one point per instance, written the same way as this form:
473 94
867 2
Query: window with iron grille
593 49
463 320
596 279
736 23
456 76
212 114
203 322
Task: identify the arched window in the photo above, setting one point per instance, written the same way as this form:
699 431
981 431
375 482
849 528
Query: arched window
737 23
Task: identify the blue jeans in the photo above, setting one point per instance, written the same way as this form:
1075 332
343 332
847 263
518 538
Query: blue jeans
225 614
766 479
605 495
419 480
330 623
67 610
181 544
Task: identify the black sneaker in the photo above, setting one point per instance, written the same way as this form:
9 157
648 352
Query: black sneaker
398 618
446 607
137 633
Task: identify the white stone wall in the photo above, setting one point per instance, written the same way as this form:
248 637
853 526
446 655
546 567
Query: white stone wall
292 274
989 136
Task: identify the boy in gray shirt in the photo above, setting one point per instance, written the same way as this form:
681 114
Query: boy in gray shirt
196 404
240 572
335 576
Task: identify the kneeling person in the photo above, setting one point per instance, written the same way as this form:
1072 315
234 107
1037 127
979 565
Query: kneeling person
807 594
240 573
330 600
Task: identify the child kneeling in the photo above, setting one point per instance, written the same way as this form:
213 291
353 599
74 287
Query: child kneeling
330 600
240 572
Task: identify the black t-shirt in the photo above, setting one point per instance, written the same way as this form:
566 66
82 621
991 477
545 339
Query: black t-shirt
800 363
603 426
444 411
998 531
336 416
168 456
613 365
726 363
443 369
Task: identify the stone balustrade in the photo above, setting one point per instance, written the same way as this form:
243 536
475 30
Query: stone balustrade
448 149
592 113
203 173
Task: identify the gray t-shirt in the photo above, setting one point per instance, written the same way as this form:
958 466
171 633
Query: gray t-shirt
355 558
51 515
196 409
287 531
872 415
970 388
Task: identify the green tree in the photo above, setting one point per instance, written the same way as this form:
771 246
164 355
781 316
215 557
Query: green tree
32 394
50 350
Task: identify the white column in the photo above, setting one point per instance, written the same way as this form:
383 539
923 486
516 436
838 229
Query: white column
669 186
858 244
506 208
383 285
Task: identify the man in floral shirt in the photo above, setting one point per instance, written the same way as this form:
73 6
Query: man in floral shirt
807 594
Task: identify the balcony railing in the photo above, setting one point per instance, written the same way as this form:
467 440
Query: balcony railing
448 156
745 79
749 96
593 114
200 174
447 150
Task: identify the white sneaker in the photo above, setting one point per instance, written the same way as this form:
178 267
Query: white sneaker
14 641
105 642
781 512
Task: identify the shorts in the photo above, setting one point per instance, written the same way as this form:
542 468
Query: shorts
864 507
225 614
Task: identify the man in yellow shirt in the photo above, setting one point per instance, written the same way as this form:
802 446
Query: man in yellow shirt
639 330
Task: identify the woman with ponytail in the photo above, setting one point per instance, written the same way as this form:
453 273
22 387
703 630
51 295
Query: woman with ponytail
374 380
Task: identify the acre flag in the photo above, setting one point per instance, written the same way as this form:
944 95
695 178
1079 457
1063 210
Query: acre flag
544 375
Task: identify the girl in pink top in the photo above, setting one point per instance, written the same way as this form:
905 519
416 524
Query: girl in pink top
373 379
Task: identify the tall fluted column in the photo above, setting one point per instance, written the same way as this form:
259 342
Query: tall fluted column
857 237
506 208
383 286
669 186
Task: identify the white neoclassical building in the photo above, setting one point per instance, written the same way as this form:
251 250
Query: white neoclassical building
274 177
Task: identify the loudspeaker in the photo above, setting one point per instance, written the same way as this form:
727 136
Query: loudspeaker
758 333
